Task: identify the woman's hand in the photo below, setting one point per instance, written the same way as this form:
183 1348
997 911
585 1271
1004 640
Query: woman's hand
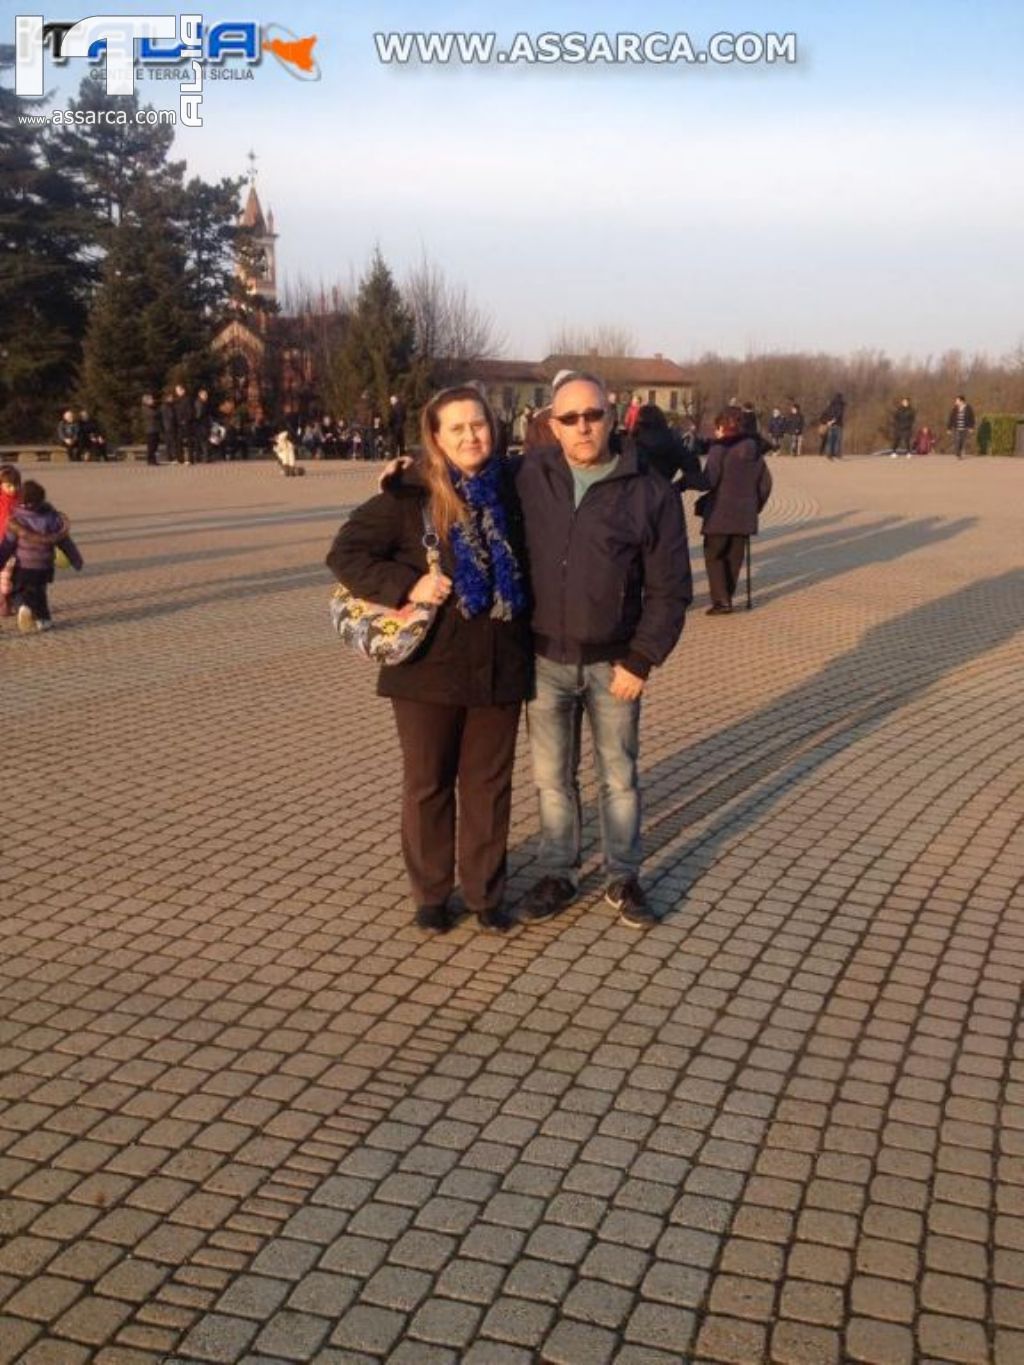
432 589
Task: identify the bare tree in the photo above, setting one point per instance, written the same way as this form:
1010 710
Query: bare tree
451 330
606 339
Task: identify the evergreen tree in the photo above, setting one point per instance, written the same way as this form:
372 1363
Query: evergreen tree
213 244
377 355
42 293
144 329
107 162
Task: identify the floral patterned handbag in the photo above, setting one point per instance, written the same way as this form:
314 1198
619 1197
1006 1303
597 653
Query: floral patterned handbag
387 635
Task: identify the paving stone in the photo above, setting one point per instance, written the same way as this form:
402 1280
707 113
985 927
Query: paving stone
218 1337
573 1343
517 1321
293 1336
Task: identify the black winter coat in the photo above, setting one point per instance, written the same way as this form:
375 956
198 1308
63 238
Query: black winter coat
903 423
378 554
666 452
611 578
740 484
183 413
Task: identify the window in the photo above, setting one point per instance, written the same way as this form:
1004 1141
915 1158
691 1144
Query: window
538 397
508 398
652 396
673 400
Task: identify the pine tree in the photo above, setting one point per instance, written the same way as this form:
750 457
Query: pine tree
144 330
42 292
377 356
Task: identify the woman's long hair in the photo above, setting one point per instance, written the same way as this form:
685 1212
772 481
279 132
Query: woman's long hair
446 507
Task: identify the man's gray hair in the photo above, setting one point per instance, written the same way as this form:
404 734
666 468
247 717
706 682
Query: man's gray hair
575 377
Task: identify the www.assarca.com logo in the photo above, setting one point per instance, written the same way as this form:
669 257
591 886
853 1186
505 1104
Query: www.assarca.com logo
130 43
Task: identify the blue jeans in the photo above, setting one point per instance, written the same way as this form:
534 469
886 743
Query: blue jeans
834 441
564 692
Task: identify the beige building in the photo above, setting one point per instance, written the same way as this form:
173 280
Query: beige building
511 385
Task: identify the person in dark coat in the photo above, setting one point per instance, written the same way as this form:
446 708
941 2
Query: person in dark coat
184 422
202 420
902 428
151 426
739 484
169 423
749 419
610 569
665 451
960 425
457 700
91 439
795 430
396 425
776 428
69 436
831 427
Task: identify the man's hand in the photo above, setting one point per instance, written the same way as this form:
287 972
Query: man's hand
392 468
625 686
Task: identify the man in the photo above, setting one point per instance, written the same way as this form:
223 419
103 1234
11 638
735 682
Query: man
91 439
184 423
151 425
396 425
610 571
831 427
169 424
68 434
202 420
795 429
960 425
902 428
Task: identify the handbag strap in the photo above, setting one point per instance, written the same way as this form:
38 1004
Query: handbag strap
431 540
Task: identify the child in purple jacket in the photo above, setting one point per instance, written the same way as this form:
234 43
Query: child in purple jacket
35 531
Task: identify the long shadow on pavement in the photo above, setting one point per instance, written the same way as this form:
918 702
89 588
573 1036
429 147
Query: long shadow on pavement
803 729
800 731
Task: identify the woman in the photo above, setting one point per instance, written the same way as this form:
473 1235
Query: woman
665 450
739 485
457 701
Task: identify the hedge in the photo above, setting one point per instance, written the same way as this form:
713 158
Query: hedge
997 433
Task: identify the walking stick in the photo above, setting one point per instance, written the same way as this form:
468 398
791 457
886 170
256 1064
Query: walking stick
749 601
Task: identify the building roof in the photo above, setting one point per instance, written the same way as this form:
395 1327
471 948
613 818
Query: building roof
621 369
640 371
509 372
252 214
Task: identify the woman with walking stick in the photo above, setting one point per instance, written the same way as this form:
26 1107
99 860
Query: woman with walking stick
739 485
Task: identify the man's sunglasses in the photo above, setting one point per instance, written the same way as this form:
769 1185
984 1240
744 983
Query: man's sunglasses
572 419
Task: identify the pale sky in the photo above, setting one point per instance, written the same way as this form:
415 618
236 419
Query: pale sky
868 196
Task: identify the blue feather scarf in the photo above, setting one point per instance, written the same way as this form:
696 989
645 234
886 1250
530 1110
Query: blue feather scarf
487 576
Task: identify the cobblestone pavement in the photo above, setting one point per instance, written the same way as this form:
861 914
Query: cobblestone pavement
249 1113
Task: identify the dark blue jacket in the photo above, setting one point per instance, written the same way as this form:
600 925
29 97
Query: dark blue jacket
611 579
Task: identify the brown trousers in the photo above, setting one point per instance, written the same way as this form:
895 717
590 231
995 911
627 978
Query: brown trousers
471 748
723 559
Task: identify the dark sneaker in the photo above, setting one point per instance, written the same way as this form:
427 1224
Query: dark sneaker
437 918
628 898
495 918
719 609
548 897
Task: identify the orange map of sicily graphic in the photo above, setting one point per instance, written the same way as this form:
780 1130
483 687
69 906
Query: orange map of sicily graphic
299 53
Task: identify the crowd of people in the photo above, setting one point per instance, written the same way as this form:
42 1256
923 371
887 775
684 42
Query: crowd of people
563 581
189 429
